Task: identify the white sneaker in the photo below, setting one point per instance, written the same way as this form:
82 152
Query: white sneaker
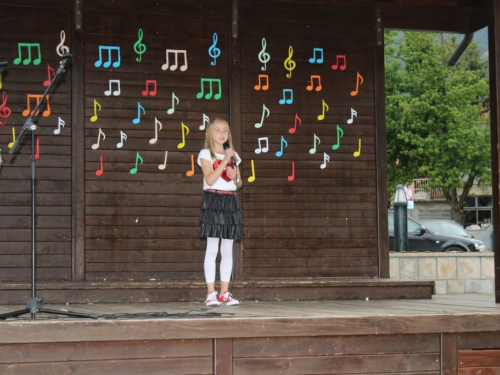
212 299
227 299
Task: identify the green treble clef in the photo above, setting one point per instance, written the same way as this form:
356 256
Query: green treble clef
139 48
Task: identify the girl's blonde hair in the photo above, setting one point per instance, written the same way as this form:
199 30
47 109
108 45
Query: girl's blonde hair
209 143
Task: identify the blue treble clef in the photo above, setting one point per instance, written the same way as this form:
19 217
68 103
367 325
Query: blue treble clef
213 51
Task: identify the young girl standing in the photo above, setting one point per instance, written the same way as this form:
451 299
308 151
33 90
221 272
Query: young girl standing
220 217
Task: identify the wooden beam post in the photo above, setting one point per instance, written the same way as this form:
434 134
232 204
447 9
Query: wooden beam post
381 148
78 146
223 356
235 117
494 54
449 353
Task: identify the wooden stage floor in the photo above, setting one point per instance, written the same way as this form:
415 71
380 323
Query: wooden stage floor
431 336
453 305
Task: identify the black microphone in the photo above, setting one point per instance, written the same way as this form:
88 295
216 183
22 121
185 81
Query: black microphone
3 65
226 146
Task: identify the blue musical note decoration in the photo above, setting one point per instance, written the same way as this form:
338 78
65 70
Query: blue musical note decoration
116 64
289 99
213 51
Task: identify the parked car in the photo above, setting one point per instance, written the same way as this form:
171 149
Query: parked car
421 238
445 226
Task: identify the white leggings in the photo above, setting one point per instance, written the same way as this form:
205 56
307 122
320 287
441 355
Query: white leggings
226 263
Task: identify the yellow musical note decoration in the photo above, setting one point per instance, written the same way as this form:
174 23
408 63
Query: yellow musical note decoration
186 129
289 63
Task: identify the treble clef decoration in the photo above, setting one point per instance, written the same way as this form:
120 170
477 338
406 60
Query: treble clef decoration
4 110
139 47
263 56
289 63
61 49
213 51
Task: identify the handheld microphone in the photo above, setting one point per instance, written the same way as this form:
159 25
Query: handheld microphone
3 65
226 146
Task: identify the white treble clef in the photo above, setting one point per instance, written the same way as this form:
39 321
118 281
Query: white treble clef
263 56
61 49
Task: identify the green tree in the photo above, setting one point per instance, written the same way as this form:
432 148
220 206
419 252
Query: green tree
437 116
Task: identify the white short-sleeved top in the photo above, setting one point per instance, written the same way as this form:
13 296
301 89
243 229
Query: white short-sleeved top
220 183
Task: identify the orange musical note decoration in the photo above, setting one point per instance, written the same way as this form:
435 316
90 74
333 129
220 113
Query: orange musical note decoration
318 86
191 172
185 131
260 85
359 81
99 172
50 73
27 111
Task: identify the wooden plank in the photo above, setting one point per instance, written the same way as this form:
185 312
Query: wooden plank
339 364
479 358
329 346
169 366
104 351
484 340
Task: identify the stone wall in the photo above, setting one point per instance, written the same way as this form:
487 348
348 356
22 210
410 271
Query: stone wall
452 272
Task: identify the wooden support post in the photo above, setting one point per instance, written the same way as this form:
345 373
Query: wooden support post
78 147
494 54
382 213
449 353
235 118
223 356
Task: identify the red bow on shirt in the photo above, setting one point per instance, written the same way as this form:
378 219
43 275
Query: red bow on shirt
224 174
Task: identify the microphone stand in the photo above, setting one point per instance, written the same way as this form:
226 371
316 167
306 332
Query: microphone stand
33 305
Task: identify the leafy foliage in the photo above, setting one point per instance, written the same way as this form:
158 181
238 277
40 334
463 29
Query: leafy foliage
437 117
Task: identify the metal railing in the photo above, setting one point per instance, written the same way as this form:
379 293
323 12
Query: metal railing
422 192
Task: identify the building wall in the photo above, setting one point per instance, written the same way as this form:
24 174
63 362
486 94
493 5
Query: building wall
452 272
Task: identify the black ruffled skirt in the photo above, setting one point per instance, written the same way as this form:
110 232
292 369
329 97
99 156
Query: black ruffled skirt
220 216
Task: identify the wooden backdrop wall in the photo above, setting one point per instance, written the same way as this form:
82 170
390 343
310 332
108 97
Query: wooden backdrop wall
310 201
